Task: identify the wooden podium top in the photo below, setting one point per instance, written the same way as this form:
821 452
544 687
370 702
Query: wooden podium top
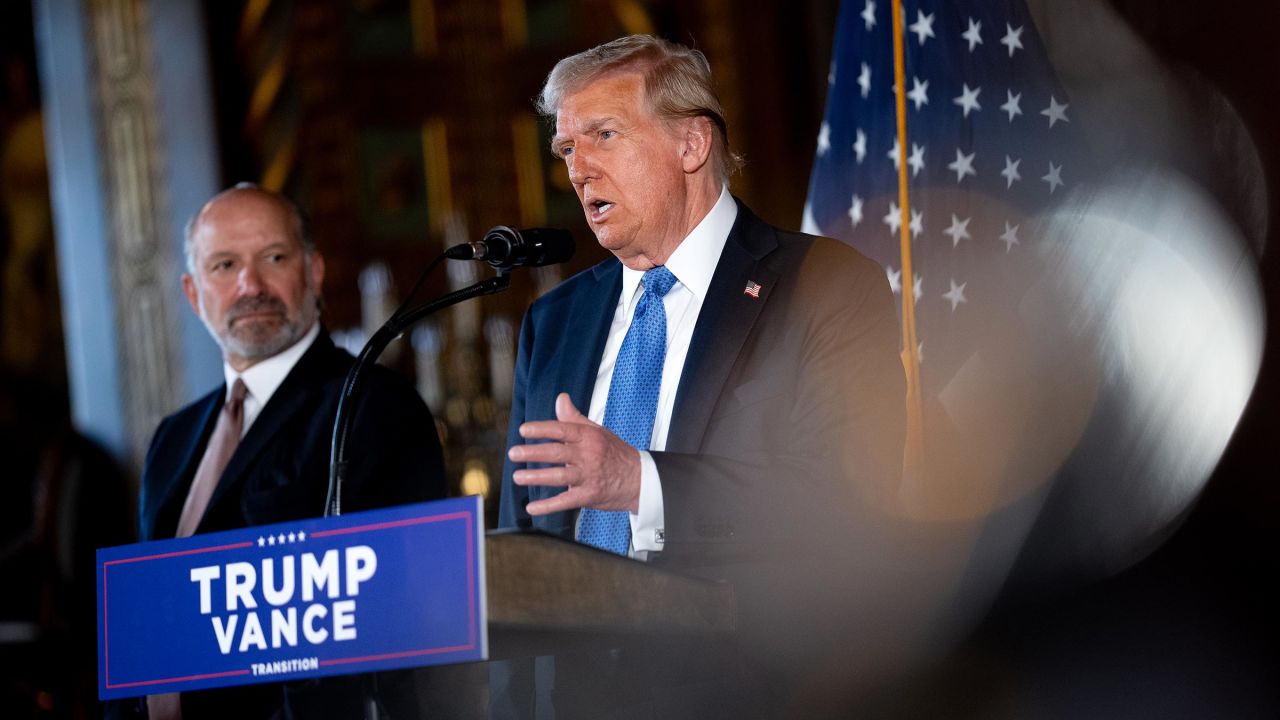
543 585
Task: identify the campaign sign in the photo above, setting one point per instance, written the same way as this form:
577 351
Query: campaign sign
329 596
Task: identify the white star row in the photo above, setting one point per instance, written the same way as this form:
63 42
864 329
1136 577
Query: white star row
923 29
955 295
292 537
967 100
962 166
957 231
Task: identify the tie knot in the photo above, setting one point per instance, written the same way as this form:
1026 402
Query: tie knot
658 280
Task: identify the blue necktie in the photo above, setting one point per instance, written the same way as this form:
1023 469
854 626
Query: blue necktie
633 401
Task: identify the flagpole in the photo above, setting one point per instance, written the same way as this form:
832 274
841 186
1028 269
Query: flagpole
913 459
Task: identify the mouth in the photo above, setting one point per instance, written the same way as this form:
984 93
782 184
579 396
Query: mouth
598 209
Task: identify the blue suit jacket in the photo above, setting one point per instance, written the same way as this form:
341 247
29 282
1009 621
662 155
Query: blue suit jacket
789 408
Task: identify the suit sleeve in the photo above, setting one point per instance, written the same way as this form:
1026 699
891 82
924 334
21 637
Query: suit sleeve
511 512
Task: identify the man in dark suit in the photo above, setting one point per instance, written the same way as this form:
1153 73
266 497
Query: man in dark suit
771 391
256 450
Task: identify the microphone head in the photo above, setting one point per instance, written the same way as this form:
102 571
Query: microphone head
530 247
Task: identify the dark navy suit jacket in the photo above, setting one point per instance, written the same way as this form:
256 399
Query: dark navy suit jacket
790 408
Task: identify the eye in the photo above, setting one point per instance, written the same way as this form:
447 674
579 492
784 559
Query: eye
606 134
564 151
220 266
278 257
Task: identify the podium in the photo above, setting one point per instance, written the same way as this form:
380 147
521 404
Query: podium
549 595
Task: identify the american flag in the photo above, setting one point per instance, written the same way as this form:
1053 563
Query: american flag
752 289
990 141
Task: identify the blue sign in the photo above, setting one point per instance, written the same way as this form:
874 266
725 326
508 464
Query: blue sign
368 591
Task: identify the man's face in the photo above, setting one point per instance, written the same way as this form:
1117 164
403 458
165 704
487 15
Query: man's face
626 167
253 286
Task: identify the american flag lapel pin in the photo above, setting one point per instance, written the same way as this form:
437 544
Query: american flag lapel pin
753 289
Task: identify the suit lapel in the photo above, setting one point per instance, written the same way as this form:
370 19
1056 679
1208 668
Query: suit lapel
174 494
589 321
727 316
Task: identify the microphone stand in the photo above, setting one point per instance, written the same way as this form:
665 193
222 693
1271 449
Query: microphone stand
395 325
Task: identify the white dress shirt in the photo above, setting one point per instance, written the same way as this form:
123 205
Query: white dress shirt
263 378
693 263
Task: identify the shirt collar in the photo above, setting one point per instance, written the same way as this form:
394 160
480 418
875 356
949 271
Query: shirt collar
263 378
694 260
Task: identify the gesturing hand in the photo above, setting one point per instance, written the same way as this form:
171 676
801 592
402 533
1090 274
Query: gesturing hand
597 468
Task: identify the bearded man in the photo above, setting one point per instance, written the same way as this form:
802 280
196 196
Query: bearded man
256 450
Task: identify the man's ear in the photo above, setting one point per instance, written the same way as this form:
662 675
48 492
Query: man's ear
191 291
697 137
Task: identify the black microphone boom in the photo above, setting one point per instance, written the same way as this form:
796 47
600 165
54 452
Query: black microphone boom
504 247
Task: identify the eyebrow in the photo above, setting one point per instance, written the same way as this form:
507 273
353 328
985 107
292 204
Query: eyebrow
558 140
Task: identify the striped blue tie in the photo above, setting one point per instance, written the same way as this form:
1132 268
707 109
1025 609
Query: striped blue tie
633 401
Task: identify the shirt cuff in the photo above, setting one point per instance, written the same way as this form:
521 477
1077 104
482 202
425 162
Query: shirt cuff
647 524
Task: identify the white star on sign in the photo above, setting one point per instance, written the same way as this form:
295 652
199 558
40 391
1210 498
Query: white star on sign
869 14
855 210
860 145
864 79
1054 178
963 165
958 231
917 223
973 34
1010 171
301 536
894 218
895 280
955 294
916 159
1012 38
1055 112
919 92
1010 236
968 99
923 26
895 154
824 138
271 539
293 537
280 540
261 541
1013 105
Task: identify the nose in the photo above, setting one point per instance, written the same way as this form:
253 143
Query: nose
249 281
582 166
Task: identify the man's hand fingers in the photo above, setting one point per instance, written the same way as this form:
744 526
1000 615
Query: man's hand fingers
567 500
566 412
546 476
551 430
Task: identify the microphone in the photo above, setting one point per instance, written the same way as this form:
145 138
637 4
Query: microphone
505 248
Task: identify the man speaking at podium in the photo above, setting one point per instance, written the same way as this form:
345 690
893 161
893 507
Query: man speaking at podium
719 393
256 450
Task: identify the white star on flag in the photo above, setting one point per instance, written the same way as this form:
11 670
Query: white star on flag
1054 178
963 165
831 74
869 15
958 231
923 26
1012 38
917 222
968 99
1013 105
917 287
1010 236
855 210
919 92
894 218
824 139
955 294
860 146
1055 112
973 34
895 154
916 159
895 279
1010 171
864 79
